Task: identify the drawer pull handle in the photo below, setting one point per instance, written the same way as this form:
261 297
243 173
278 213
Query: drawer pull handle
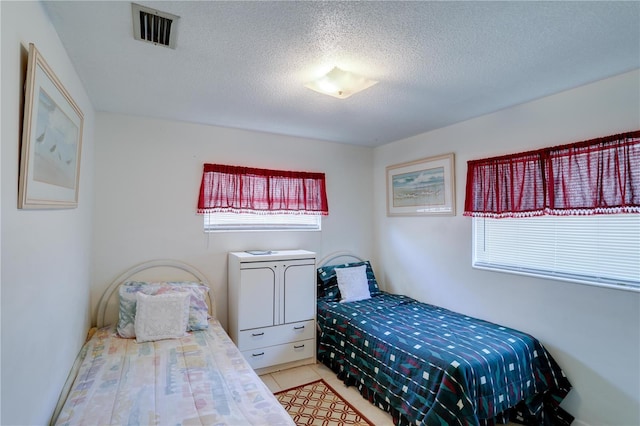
299 327
257 334
298 347
260 354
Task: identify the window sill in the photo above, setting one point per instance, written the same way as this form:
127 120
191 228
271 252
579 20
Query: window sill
623 287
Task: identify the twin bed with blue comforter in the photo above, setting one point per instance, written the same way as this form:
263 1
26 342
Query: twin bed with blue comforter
427 365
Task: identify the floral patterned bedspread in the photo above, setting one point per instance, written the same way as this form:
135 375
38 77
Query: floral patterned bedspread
431 366
198 379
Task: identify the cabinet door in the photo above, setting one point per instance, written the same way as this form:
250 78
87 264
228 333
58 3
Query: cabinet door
256 298
299 293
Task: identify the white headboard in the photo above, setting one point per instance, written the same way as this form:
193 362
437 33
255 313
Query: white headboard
153 270
339 257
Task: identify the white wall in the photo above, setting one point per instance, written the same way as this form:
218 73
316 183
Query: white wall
147 180
45 254
594 333
141 205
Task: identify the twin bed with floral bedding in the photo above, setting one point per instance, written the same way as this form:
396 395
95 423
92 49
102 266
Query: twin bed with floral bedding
430 366
164 359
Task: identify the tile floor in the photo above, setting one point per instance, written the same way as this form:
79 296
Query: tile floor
286 379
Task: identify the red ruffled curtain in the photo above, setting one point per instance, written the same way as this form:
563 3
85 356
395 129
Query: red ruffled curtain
591 177
250 190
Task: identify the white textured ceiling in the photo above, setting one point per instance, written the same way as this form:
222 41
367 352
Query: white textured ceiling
244 64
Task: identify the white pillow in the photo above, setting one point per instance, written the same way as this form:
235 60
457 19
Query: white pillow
353 283
161 316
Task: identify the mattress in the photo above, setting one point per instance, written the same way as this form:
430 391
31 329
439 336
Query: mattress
201 378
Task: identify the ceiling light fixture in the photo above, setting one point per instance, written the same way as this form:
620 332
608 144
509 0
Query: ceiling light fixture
340 84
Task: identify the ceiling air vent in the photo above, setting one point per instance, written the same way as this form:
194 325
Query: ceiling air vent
154 26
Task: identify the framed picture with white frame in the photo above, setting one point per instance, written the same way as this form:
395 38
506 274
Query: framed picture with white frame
51 140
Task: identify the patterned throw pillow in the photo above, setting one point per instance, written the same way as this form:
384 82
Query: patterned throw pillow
328 283
163 316
198 308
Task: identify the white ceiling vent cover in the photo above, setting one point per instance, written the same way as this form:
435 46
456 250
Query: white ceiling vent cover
154 26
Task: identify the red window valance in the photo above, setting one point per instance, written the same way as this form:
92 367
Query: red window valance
590 177
250 190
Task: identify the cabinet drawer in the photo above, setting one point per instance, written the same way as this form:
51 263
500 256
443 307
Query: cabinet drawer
280 354
276 335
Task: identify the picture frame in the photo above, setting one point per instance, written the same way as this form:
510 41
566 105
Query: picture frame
51 140
424 187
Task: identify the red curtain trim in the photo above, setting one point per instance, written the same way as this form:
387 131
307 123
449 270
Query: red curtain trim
551 212
496 189
240 170
250 211
241 189
527 155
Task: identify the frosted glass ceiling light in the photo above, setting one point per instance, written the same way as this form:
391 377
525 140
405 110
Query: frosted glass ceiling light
340 84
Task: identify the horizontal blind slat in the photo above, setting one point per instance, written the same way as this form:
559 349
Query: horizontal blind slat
598 247
249 221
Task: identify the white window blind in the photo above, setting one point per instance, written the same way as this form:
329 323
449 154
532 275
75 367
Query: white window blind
261 222
595 249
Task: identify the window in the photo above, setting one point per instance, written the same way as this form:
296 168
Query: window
261 222
235 198
569 212
594 249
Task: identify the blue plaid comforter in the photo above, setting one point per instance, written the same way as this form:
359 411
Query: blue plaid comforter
427 365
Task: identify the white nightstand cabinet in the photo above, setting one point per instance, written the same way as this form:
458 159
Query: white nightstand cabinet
272 308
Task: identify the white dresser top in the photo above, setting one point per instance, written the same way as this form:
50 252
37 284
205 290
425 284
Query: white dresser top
245 256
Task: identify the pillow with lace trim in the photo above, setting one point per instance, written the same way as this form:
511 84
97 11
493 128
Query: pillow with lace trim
161 316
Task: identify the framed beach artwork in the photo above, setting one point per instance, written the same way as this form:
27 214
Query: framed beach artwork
424 187
51 140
